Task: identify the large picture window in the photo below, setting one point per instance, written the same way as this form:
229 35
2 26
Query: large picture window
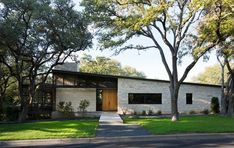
144 98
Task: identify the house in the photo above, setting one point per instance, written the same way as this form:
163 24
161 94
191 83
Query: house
128 94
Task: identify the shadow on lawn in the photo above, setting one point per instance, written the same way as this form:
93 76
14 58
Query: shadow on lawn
49 126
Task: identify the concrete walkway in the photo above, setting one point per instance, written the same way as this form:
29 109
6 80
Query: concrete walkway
111 125
110 118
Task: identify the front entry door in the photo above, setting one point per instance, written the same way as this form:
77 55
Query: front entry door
109 102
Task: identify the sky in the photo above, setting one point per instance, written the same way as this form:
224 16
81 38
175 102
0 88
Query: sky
149 61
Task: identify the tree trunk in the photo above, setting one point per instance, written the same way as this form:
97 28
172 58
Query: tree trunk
1 103
231 96
23 113
223 98
24 106
174 104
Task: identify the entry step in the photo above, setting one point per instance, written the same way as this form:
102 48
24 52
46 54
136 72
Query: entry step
110 118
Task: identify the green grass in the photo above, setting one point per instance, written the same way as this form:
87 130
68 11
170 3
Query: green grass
48 130
195 124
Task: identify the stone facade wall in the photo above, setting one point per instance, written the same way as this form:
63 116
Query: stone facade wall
75 95
201 96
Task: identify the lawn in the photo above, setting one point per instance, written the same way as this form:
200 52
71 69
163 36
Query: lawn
195 124
49 130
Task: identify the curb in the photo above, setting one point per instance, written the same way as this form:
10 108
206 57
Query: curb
51 142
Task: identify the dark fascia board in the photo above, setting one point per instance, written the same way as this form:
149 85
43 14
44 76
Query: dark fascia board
125 77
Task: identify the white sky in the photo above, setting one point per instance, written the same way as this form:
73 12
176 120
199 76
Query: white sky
149 61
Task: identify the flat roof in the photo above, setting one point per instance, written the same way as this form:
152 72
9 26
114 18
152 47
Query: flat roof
55 71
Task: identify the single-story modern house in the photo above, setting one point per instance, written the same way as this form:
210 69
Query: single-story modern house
128 94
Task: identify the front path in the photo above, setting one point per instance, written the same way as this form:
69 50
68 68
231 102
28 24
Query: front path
111 125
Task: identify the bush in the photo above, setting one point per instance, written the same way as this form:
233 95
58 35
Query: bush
83 105
205 111
192 112
159 112
150 112
134 113
143 113
124 110
10 113
214 106
65 107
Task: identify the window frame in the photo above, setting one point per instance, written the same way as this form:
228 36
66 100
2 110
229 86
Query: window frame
145 96
188 97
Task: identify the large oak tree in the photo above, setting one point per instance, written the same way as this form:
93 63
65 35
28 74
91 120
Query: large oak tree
218 25
170 25
36 35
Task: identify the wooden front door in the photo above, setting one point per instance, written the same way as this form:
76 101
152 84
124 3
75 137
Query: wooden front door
109 102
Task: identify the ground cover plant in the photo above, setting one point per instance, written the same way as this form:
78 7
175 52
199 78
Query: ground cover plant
192 124
49 129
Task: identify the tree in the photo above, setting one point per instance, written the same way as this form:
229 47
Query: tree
211 75
37 35
168 25
103 65
218 25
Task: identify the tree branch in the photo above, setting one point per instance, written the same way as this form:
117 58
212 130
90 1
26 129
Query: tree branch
161 53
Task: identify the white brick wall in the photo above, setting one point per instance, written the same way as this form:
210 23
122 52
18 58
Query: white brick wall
75 95
201 95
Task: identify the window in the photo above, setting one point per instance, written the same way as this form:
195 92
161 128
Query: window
189 98
140 98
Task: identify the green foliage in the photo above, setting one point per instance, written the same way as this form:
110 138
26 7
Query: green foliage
83 105
217 23
36 35
192 112
214 105
143 113
159 112
65 107
150 112
10 113
211 75
103 65
205 112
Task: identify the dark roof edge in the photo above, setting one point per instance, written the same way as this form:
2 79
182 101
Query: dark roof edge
126 77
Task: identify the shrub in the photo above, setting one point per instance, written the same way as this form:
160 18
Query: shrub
205 111
159 112
134 113
10 113
83 105
150 112
191 112
124 110
214 106
143 113
65 107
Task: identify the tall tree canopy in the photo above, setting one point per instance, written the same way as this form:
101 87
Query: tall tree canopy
35 36
169 25
211 75
103 65
218 25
